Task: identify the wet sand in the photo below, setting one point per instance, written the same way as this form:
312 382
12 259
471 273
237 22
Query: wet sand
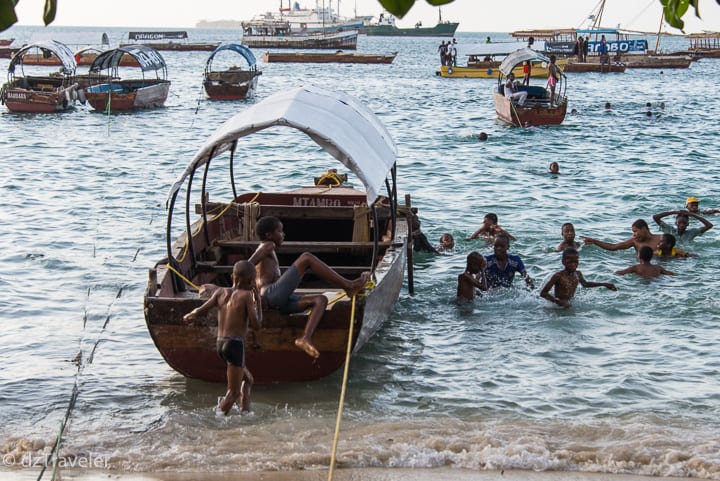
367 474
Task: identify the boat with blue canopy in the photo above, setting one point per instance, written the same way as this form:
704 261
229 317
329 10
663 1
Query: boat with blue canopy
232 83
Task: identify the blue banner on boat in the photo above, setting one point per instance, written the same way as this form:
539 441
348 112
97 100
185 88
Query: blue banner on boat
638 47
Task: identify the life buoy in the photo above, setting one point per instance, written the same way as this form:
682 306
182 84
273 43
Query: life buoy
450 70
489 71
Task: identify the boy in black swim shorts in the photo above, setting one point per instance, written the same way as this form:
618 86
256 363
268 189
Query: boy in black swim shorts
238 307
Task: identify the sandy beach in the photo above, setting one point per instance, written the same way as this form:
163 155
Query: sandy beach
368 474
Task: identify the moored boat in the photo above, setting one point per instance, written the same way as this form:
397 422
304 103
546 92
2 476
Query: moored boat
117 93
336 222
168 40
584 67
329 57
483 61
233 83
538 108
386 26
278 34
42 91
704 45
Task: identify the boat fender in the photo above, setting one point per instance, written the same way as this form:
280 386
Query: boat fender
450 70
489 72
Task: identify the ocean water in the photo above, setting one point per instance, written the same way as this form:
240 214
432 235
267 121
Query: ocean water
623 382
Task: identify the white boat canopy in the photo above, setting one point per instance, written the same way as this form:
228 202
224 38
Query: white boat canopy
520 56
497 48
339 123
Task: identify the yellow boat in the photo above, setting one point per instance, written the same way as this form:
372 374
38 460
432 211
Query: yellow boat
491 69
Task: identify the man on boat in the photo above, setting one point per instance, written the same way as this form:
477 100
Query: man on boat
511 90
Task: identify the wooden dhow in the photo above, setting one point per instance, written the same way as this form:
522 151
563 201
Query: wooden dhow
328 57
341 225
41 91
234 83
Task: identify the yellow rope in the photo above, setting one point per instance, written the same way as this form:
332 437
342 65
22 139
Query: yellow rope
332 176
187 281
342 391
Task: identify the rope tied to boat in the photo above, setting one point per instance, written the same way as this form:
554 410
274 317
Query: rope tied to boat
342 391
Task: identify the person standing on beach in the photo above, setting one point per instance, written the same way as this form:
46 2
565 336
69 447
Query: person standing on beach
565 282
238 307
278 290
641 237
501 266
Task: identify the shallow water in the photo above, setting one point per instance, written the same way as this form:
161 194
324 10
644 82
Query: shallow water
623 382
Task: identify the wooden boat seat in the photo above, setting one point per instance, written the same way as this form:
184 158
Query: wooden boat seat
210 266
291 247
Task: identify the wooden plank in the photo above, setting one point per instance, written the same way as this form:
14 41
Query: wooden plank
295 247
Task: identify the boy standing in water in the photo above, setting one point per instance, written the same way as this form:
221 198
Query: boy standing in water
566 281
682 220
490 228
645 268
277 290
238 306
568 234
473 279
501 266
641 237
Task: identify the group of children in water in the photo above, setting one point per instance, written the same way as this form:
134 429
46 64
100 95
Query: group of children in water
498 269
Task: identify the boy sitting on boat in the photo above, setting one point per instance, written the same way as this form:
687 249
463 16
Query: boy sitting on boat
277 291
512 92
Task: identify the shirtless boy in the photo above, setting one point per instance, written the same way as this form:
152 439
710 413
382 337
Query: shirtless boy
238 306
568 234
277 290
490 228
566 281
641 237
645 268
473 279
666 248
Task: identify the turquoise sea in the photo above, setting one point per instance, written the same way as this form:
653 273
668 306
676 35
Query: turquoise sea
624 382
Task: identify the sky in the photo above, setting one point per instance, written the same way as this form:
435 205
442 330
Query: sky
473 15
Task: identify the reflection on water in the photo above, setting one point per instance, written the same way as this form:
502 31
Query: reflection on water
622 382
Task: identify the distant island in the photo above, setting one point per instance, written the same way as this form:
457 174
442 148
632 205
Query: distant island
219 24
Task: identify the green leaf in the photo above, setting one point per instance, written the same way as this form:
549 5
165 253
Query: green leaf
439 2
397 7
7 14
49 11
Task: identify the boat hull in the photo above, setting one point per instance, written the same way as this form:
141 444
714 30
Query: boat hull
335 57
585 67
39 98
271 355
230 85
446 29
657 61
533 114
179 46
339 40
490 70
127 95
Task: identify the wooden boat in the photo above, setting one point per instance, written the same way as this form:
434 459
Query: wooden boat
278 34
484 59
45 91
336 223
538 109
386 27
118 94
173 41
8 51
330 57
704 45
584 67
4 42
234 83
657 61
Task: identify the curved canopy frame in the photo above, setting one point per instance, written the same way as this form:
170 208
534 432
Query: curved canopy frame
148 58
339 123
60 50
234 47
520 56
